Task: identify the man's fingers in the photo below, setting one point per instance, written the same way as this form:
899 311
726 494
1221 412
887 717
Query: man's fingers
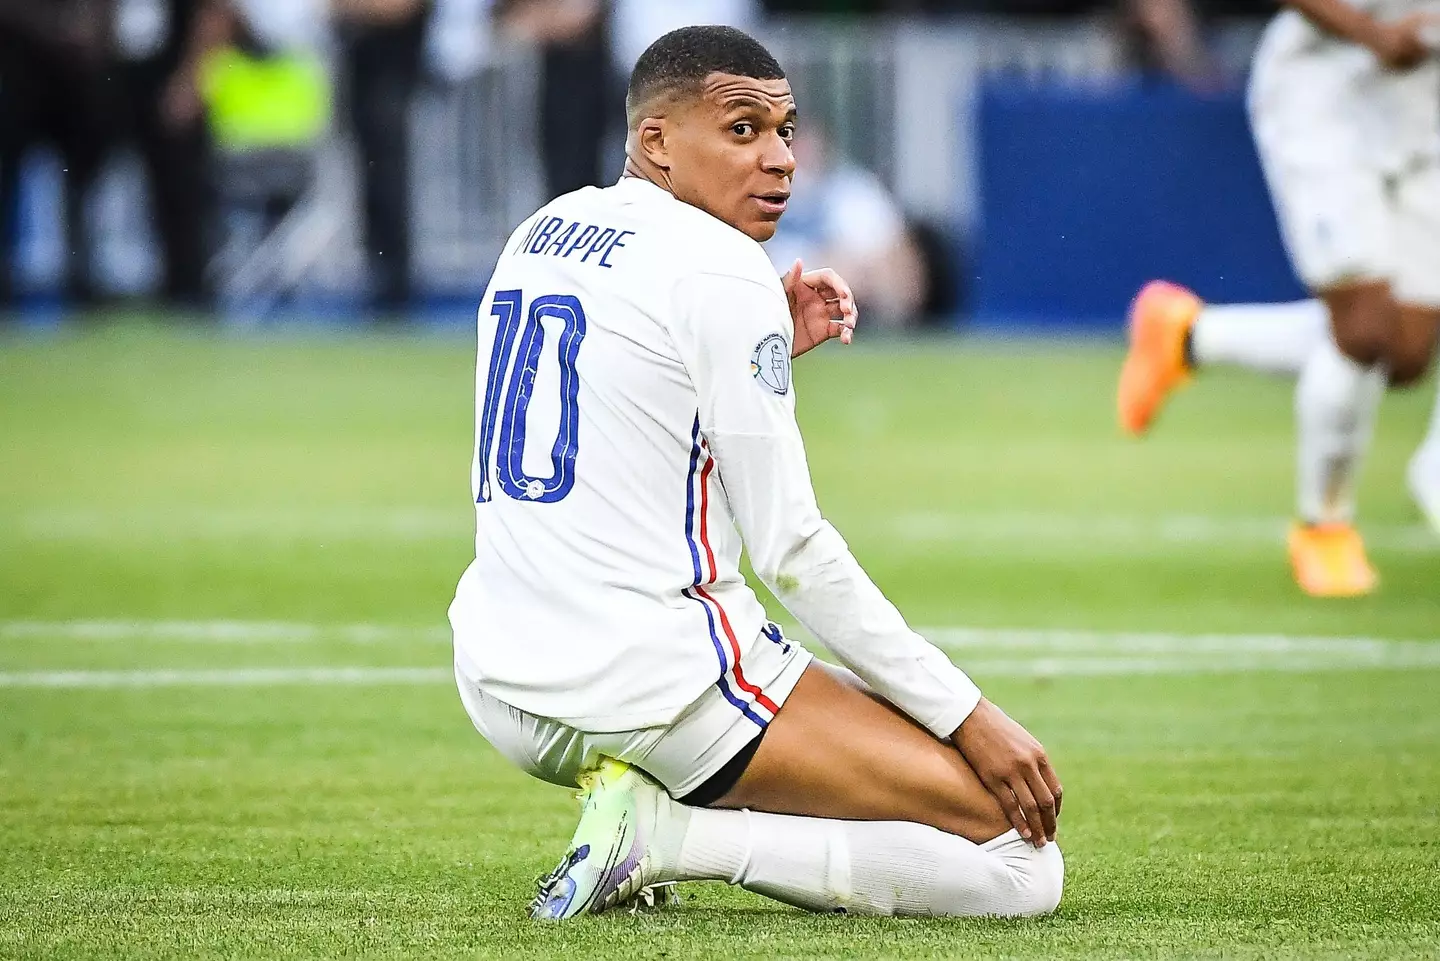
1010 804
1035 827
792 277
1052 781
838 298
828 282
1044 801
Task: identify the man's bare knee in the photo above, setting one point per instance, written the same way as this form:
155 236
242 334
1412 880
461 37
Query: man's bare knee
1363 318
1407 370
1412 344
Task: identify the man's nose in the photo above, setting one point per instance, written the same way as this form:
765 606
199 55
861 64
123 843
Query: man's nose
778 157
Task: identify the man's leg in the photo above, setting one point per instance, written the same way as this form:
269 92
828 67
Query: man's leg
841 752
1412 352
1424 470
869 867
849 805
1418 288
1336 402
834 751
177 168
1271 338
383 70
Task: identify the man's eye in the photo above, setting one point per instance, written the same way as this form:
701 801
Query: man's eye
787 132
742 129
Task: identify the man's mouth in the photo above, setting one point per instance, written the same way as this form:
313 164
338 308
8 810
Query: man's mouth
774 202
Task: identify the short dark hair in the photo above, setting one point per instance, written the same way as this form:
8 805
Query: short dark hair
682 59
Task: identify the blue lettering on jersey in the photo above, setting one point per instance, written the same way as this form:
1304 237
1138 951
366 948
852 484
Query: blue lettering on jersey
525 241
586 235
543 237
606 235
558 237
564 238
615 245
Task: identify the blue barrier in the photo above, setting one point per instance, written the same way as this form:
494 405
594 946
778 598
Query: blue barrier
1086 193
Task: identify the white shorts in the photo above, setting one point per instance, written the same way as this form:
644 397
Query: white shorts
1343 226
681 756
1352 157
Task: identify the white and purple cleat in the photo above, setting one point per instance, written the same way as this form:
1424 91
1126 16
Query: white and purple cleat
609 862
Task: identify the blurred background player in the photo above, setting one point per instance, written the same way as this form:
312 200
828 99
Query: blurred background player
1345 107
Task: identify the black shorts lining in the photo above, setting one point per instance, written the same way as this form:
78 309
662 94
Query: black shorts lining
719 784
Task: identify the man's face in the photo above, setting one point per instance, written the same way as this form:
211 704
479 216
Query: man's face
729 151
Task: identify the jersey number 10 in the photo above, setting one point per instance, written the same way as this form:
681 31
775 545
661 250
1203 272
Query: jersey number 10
517 383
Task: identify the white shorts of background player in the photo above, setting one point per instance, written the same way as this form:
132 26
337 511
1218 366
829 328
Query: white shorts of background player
1351 153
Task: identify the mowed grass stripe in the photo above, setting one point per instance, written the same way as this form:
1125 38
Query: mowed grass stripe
227 677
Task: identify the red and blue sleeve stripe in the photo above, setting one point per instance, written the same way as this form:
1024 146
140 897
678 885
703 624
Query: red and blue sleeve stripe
727 652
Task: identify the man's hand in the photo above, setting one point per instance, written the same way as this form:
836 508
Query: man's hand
1403 44
821 305
1012 765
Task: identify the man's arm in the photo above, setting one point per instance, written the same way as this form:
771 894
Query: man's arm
751 428
1399 45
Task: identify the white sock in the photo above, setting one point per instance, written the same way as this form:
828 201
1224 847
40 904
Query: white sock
1267 337
1336 402
1424 472
1273 338
1427 458
869 867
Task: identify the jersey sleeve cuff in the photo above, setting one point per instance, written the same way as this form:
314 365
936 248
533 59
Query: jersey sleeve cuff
962 702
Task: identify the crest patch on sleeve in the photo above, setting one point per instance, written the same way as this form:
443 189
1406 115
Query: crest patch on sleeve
770 364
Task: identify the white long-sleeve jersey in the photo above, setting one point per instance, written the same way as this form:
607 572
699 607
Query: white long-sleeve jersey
634 418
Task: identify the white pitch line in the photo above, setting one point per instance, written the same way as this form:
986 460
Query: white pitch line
961 639
957 638
227 677
218 632
267 523
986 652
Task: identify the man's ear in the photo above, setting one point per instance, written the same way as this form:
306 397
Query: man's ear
650 136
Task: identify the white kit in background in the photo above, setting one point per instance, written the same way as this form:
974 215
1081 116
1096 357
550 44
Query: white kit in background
1351 151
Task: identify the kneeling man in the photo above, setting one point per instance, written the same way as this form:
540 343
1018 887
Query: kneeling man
604 635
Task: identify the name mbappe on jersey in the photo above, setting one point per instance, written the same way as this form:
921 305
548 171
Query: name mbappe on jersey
558 237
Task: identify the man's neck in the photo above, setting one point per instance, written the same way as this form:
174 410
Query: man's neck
637 170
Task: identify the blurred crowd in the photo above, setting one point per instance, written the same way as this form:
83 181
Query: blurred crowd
222 99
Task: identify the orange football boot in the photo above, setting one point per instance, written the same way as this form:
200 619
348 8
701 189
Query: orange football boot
1329 561
1160 318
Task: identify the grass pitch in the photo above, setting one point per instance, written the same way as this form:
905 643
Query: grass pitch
225 729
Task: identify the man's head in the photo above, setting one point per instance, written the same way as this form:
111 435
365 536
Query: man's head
711 118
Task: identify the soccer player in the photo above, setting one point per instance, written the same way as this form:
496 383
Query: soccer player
604 634
1345 105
